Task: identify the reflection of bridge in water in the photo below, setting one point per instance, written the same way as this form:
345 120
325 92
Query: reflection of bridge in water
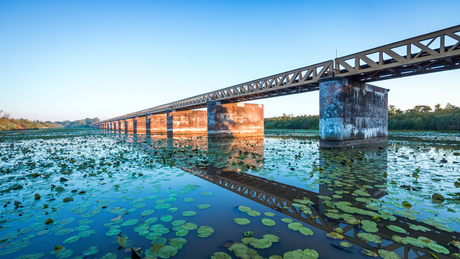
279 196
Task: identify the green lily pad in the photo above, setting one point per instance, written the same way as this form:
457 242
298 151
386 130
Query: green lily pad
295 225
177 223
268 222
221 255
271 237
242 221
205 231
130 222
244 208
396 229
203 206
189 226
166 218
438 248
178 242
269 214
253 213
113 232
147 212
91 251
188 200
310 254
306 231
188 213
345 244
71 239
181 232
367 237
385 254
167 251
287 220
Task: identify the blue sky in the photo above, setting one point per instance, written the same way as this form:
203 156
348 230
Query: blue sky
68 60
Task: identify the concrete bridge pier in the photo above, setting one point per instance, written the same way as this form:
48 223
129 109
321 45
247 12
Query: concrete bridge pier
352 113
235 119
122 125
140 124
156 123
185 122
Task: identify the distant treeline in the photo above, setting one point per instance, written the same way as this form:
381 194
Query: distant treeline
421 117
7 123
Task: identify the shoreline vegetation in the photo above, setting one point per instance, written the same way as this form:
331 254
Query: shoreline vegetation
421 117
7 123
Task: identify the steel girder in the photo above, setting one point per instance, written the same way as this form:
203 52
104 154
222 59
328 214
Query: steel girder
428 53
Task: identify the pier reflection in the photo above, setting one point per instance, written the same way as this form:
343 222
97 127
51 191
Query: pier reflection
352 184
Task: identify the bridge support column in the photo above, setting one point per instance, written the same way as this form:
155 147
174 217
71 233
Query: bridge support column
235 119
140 124
129 124
186 122
352 113
156 123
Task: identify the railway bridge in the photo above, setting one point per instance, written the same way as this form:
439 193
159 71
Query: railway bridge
353 112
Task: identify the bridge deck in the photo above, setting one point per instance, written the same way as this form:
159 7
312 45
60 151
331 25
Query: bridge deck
428 53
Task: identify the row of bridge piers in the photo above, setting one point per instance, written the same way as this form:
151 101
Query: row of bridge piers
352 113
219 120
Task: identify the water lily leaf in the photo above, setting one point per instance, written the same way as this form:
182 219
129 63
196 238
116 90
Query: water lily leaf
385 254
113 232
396 229
130 222
369 253
306 231
205 231
261 243
156 247
438 248
71 239
287 220
268 222
221 255
206 193
166 218
188 200
188 213
310 254
91 251
335 235
271 237
181 232
345 244
419 228
269 214
147 212
367 237
242 221
295 225
253 213
177 223
167 251
121 241
189 226
244 208
178 242
203 206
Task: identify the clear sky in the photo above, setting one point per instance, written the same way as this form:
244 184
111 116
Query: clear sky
69 60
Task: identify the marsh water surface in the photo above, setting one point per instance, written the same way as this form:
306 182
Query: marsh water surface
106 194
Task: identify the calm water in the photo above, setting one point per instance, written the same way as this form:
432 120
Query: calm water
103 194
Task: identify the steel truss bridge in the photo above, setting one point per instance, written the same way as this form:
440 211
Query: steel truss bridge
428 53
279 196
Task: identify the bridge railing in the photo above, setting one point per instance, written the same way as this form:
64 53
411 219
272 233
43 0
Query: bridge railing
403 57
